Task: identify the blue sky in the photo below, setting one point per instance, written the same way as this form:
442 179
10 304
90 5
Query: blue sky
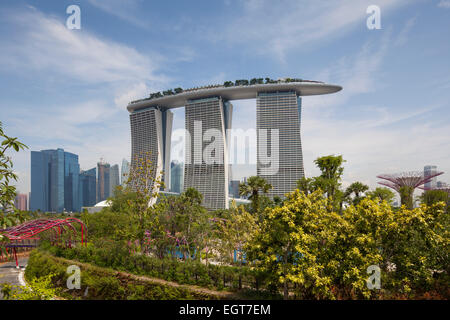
69 88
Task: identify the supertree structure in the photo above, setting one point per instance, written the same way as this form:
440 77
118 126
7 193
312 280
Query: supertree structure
412 179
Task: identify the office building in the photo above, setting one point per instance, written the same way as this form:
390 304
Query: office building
429 171
71 182
21 202
125 170
103 181
54 181
114 179
176 179
88 188
234 188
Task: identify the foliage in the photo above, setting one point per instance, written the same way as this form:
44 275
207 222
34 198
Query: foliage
253 188
326 255
140 192
431 197
234 232
9 215
356 189
382 194
112 255
37 289
406 196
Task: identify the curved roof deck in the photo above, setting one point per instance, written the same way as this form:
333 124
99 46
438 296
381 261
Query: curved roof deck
234 93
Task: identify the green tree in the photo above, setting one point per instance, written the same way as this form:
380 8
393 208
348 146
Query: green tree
383 194
356 189
8 214
330 179
305 185
142 192
234 232
252 188
431 197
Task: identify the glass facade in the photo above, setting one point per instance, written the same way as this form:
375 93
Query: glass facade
280 112
125 170
88 188
176 181
71 177
114 179
54 181
103 181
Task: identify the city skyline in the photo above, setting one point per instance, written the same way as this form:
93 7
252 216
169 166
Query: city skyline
395 87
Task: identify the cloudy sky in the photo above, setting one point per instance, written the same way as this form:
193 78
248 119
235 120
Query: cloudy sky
70 88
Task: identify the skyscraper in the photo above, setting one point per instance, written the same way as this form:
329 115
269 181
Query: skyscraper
151 132
114 179
20 202
208 116
71 182
103 181
125 170
234 188
54 181
176 180
88 188
279 114
208 175
428 171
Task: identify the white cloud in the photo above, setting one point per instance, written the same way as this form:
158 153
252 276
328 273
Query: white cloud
136 92
299 24
92 123
402 38
379 138
44 44
125 10
444 4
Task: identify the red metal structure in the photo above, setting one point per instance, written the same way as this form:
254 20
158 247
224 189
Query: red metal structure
26 234
412 179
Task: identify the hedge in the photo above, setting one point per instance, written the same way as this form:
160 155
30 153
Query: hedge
106 284
116 256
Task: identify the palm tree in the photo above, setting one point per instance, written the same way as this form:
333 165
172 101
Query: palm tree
357 188
252 188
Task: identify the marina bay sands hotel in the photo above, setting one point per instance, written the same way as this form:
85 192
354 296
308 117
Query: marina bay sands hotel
278 109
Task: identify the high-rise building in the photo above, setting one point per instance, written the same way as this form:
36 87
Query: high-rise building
234 188
208 116
279 114
428 171
440 184
204 170
125 170
176 179
103 181
71 182
88 188
114 179
54 181
20 202
151 132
